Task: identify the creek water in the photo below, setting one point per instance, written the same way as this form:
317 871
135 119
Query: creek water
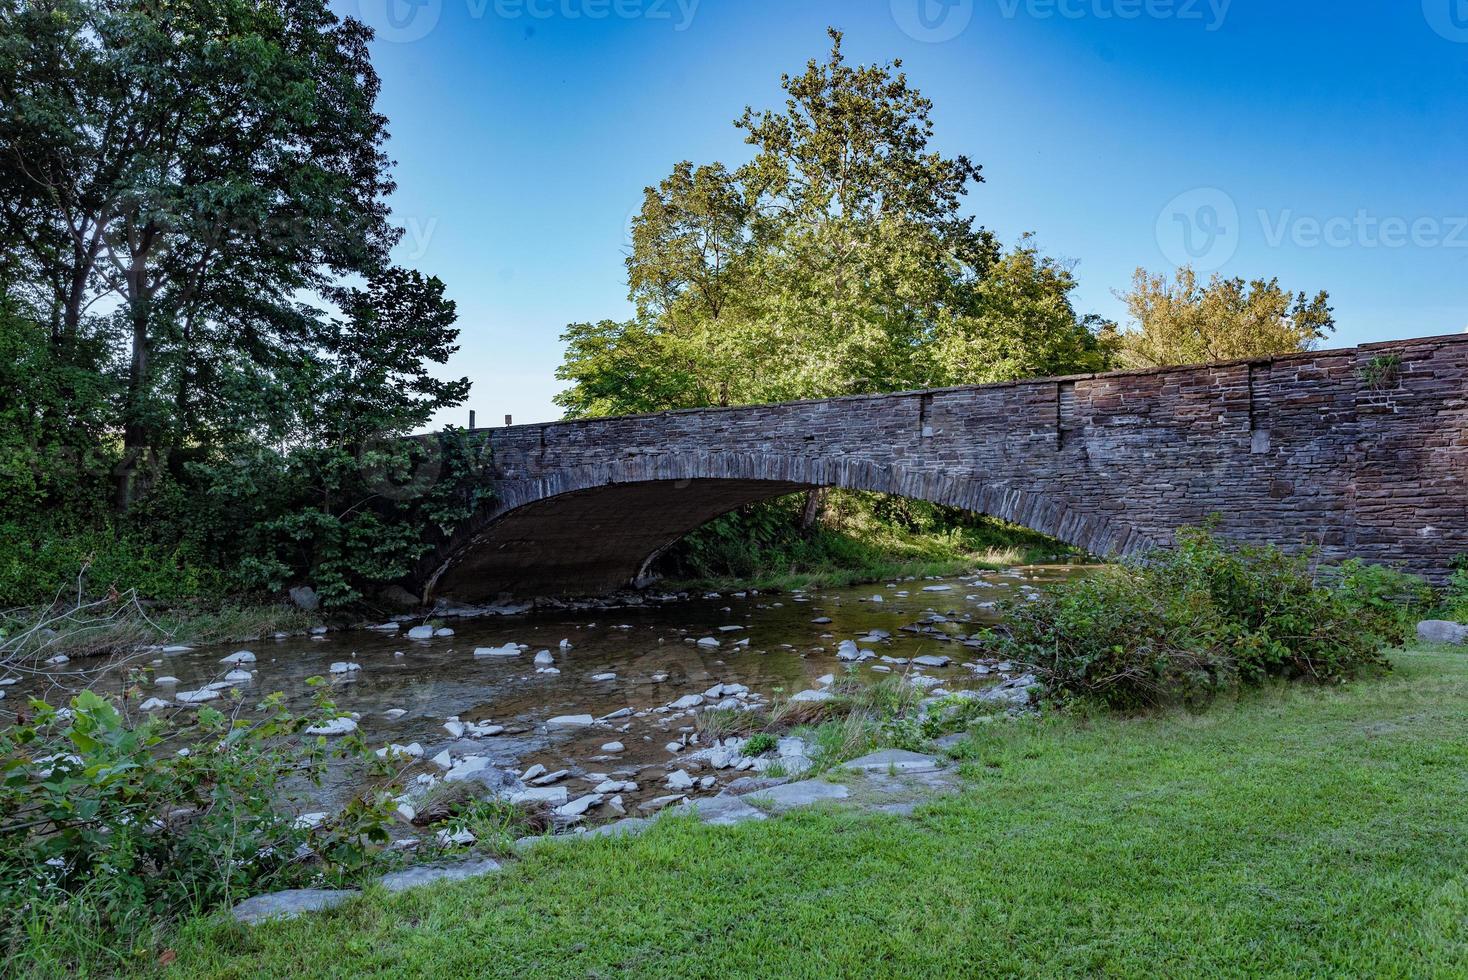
639 657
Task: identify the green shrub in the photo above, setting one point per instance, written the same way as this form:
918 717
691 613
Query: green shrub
759 744
1455 599
124 826
1112 638
1204 616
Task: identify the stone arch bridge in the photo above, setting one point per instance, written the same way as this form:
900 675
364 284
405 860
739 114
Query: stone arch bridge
1362 452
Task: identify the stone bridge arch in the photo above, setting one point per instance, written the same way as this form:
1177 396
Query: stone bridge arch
1360 452
599 527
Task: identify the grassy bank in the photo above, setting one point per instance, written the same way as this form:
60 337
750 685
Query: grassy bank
103 628
1297 830
860 537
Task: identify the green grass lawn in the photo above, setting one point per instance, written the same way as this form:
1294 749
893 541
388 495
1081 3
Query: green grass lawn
1295 832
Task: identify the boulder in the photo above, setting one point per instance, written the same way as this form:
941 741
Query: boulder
1442 631
304 597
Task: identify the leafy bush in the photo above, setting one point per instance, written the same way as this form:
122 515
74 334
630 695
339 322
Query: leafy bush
344 522
1455 600
125 826
758 744
1206 616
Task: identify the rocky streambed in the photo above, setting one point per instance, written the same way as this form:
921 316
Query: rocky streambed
597 713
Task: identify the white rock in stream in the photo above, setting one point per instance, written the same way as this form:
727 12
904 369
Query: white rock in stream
613 747
686 701
454 727
467 767
345 667
336 726
443 760
937 588
152 704
931 660
812 696
570 721
544 659
196 697
165 681
604 677
532 772
395 713
239 676
708 641
420 633
579 806
508 650
552 795
239 657
616 786
680 780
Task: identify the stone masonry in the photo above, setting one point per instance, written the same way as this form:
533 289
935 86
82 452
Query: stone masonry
1362 452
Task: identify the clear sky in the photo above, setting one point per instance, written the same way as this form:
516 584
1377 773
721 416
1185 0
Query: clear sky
1320 141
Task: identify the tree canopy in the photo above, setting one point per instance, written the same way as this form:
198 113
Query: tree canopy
836 260
196 270
1182 321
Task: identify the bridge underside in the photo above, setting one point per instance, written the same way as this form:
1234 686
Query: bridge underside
592 540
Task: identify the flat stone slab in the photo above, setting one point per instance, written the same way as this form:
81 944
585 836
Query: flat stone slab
893 760
428 874
804 793
289 904
723 810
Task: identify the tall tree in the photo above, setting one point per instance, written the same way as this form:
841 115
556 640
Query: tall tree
836 260
1182 321
201 165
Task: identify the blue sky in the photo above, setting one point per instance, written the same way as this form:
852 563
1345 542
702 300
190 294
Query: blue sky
1320 141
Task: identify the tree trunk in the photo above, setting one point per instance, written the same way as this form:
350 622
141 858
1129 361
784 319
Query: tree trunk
135 441
810 513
